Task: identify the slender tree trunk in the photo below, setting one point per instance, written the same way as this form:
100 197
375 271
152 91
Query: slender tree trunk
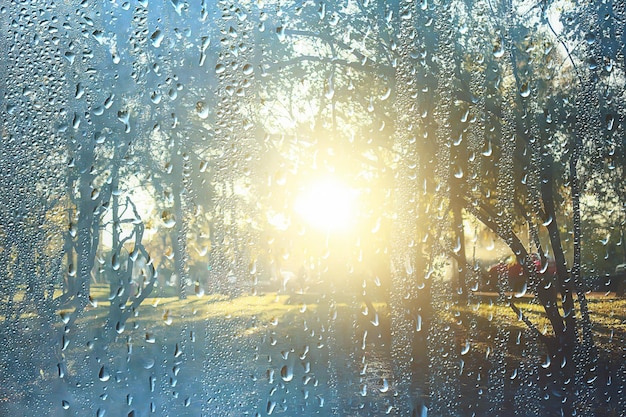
179 238
459 248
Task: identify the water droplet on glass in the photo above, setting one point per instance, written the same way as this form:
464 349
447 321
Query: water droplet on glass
329 89
65 341
247 69
408 267
80 91
115 262
156 38
286 373
271 405
487 150
169 220
498 50
524 90
167 318
384 385
522 291
466 348
119 327
104 374
202 110
280 32
610 121
178 6
70 56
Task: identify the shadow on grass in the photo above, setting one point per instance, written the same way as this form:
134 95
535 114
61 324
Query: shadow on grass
274 353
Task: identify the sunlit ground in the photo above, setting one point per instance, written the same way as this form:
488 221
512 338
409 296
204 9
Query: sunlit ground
272 309
233 337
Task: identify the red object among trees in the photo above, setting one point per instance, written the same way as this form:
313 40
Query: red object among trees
513 270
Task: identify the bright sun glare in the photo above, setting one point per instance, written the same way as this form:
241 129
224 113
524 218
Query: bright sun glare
327 205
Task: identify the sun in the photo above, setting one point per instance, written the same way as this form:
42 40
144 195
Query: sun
327 204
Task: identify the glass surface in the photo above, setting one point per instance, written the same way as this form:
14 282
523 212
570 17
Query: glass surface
346 208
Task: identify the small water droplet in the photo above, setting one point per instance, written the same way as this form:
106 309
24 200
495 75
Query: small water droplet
280 32
80 91
286 373
408 267
65 341
70 56
384 385
610 122
169 220
487 150
156 38
498 50
466 348
167 318
458 172
104 374
247 69
524 90
202 110
252 268
329 89
119 327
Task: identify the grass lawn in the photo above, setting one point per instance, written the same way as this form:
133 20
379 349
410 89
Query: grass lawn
276 353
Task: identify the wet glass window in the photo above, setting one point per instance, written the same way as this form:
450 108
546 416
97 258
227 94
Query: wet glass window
311 207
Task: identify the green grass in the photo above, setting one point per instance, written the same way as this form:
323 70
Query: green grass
274 310
245 338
